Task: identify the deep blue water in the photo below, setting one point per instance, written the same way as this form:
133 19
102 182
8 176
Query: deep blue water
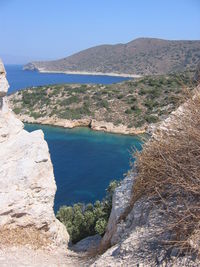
20 79
85 161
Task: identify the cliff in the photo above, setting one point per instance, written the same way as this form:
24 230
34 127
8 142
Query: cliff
27 183
142 56
156 209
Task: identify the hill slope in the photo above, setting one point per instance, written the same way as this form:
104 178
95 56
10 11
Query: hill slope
143 56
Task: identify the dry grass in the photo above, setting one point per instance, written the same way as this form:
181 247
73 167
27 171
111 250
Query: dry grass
23 236
169 175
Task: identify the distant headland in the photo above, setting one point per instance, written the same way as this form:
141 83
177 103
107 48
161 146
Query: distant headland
142 56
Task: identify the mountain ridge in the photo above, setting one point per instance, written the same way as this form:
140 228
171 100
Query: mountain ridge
142 56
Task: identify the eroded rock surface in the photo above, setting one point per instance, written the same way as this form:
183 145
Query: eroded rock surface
87 244
103 126
3 80
27 184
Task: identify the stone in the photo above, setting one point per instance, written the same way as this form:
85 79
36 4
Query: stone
27 183
87 244
120 201
3 80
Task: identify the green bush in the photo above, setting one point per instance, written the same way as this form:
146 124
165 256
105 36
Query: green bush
103 103
35 115
120 96
131 100
128 111
85 220
117 122
70 100
150 104
151 118
17 110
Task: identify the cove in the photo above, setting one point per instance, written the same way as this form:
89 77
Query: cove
85 161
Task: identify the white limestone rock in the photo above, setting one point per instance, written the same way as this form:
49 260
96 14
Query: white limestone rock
120 201
3 81
27 184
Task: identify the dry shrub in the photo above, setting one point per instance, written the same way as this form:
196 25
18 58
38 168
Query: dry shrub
23 236
169 173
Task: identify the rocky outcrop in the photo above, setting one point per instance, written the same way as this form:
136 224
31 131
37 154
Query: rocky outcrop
3 81
27 184
136 240
102 126
87 244
118 129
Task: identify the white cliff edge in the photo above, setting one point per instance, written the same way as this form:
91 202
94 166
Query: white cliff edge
27 183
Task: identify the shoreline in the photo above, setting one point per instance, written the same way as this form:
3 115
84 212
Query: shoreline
94 125
42 70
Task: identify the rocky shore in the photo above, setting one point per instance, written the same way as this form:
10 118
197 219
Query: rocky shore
103 126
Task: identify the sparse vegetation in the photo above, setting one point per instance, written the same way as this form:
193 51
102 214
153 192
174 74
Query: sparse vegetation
150 56
135 102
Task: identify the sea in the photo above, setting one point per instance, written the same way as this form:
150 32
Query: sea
20 79
84 161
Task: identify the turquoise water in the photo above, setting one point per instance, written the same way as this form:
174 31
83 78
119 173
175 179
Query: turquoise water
85 161
20 79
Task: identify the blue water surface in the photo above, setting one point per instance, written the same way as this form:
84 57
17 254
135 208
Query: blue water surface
86 161
19 79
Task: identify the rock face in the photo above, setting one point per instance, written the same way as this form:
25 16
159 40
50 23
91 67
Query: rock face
3 81
103 126
136 240
135 232
27 184
87 244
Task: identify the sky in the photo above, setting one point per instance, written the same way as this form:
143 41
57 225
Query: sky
52 29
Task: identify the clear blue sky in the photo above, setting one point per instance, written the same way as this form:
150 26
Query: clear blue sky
50 29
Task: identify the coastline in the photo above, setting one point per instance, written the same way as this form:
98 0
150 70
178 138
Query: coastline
94 125
125 75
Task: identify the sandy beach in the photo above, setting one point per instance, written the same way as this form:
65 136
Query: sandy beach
41 70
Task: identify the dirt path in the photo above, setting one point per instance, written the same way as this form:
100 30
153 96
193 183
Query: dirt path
27 257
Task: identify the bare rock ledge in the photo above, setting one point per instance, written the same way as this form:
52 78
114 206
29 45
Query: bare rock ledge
103 126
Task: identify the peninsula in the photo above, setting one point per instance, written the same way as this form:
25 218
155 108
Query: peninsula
142 56
130 107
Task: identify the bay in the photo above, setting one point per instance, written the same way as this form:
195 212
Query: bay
85 161
20 79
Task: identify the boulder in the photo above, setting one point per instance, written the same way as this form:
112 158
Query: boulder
87 244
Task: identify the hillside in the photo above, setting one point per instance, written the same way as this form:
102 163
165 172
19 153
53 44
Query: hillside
156 210
126 107
143 56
